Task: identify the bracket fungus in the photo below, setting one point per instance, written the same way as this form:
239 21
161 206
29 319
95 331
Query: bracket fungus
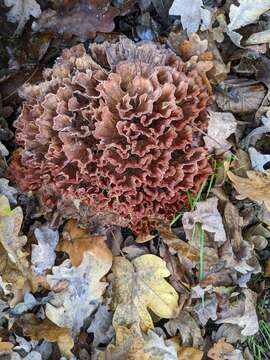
116 128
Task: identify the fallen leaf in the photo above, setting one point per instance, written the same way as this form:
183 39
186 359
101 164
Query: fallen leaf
193 46
83 19
246 13
78 241
81 288
206 310
47 330
210 219
20 12
219 350
220 126
12 242
131 344
9 191
3 150
138 286
43 255
256 186
189 353
187 327
257 133
193 14
259 38
240 96
5 347
243 314
101 326
158 348
258 160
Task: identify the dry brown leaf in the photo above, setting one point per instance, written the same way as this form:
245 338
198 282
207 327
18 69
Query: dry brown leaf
39 330
256 186
220 349
77 241
6 347
138 286
189 353
83 19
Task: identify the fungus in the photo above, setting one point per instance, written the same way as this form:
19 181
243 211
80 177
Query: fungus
115 128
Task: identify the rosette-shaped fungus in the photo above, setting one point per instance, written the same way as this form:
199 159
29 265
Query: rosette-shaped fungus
116 128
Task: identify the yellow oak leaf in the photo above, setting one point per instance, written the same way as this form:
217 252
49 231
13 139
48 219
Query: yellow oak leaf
138 286
14 267
256 186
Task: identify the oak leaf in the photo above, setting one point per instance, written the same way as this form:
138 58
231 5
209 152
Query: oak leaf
131 344
138 286
20 12
14 267
77 241
47 330
220 349
80 288
256 186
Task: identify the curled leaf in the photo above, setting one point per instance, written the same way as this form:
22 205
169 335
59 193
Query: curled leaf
256 186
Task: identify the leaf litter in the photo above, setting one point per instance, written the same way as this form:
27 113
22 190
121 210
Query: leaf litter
195 287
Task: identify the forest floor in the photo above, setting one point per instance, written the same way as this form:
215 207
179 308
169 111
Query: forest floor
197 287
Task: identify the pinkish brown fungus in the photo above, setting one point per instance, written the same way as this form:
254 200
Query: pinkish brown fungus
114 129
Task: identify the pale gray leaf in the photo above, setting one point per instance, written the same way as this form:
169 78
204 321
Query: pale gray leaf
193 14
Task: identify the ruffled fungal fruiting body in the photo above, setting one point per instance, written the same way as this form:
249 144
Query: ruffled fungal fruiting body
117 129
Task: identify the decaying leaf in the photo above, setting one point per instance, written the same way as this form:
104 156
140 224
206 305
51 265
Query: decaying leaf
243 314
240 96
207 310
138 286
259 38
194 46
258 160
5 347
132 345
219 350
43 255
78 241
256 186
12 242
193 14
101 326
209 217
246 13
20 12
77 288
39 330
189 353
187 327
220 126
83 19
129 345
9 191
